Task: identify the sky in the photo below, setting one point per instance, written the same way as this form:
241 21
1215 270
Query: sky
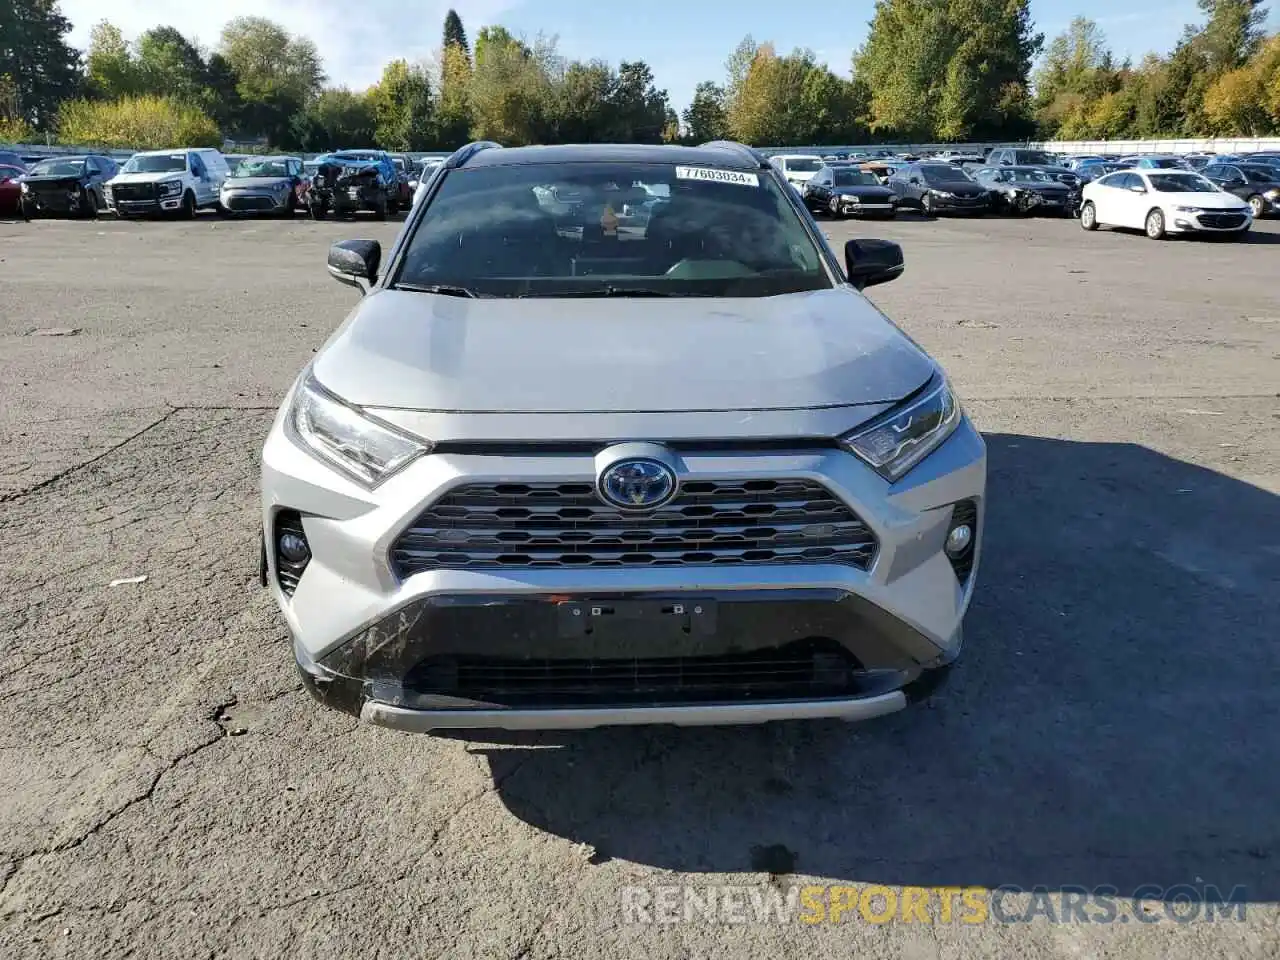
684 42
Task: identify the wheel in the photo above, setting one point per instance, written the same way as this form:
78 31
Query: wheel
291 205
1258 206
380 208
1155 225
926 204
188 205
833 207
317 210
1089 216
27 210
88 204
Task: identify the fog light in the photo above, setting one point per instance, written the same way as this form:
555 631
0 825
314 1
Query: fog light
959 540
293 547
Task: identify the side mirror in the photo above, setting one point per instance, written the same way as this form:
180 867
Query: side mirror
869 262
1136 188
355 263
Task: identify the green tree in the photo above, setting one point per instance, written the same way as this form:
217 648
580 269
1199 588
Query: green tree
277 75
42 69
110 69
705 117
510 89
581 102
1077 71
453 109
454 35
402 108
336 118
1232 32
170 64
637 109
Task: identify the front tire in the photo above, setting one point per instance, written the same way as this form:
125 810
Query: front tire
1258 206
833 207
1089 216
88 204
188 211
926 205
1155 225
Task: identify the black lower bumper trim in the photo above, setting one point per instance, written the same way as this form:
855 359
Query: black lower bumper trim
565 652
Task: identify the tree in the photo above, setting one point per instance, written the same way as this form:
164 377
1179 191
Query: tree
109 65
402 108
581 102
949 68
1232 32
336 118
705 117
454 35
637 109
136 123
34 55
277 75
510 89
453 109
170 64
793 99
1077 71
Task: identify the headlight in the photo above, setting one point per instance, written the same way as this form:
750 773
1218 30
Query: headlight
893 198
1189 209
1272 194
364 449
23 187
943 194
170 188
894 443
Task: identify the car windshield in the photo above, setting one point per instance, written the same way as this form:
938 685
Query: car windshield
1023 175
939 173
262 168
803 164
1034 156
1168 163
156 163
558 230
58 168
1182 183
855 178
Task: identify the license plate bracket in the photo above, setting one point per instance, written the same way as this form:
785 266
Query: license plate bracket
581 618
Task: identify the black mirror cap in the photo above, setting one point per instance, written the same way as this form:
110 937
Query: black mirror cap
355 262
869 262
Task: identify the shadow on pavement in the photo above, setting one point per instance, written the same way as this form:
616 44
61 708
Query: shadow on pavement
1107 725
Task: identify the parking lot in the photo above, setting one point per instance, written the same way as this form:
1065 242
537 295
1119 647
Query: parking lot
170 790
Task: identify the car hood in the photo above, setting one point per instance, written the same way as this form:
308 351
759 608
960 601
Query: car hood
806 351
53 180
258 183
1207 201
959 189
120 178
864 191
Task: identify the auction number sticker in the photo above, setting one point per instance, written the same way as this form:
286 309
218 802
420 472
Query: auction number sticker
736 177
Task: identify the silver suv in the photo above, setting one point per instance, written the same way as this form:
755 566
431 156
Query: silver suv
568 466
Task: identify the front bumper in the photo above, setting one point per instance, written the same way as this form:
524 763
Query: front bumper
849 208
139 208
960 205
253 201
52 201
474 648
1209 222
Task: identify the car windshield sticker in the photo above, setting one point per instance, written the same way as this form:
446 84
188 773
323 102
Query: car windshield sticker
736 177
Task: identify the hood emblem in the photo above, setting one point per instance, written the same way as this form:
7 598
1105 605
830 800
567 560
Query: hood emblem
637 484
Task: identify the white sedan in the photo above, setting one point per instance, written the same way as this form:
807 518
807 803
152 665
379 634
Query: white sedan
1162 202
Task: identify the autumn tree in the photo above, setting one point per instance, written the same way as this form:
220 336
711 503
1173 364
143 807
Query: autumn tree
402 108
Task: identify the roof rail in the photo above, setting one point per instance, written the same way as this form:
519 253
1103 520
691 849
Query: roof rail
465 153
741 149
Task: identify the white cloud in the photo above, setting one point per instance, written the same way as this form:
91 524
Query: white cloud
355 39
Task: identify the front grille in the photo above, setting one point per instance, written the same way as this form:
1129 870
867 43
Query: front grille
251 203
708 523
806 669
134 191
1222 220
1070 179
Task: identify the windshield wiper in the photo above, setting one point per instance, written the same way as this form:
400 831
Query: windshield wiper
611 291
443 289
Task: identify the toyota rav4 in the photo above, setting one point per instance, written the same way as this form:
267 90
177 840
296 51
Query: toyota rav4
568 466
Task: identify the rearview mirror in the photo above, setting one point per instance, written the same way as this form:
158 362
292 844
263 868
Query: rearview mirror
355 263
869 262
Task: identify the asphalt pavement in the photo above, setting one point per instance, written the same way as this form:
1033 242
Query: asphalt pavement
167 788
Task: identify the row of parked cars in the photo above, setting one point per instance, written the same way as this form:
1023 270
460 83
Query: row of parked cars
1183 194
179 182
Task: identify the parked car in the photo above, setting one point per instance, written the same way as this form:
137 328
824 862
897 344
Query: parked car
884 170
67 185
422 175
346 185
796 168
405 172
1076 161
1027 190
10 159
1163 202
845 190
935 187
11 189
1256 184
1093 169
667 578
265 185
368 178
167 181
1010 156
